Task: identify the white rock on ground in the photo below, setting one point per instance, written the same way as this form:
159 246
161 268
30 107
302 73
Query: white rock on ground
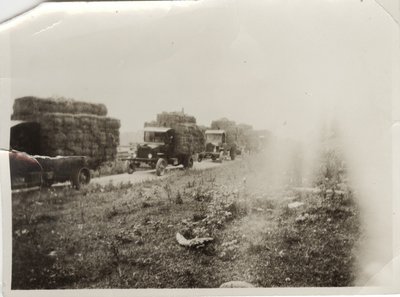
295 204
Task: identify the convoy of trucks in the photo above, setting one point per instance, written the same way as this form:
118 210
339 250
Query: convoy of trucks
172 139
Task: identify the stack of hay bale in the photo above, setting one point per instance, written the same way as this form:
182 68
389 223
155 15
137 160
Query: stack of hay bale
69 127
169 119
230 128
189 137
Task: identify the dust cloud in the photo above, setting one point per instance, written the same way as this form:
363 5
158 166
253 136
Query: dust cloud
363 142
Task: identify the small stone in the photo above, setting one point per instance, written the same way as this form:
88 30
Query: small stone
302 218
295 204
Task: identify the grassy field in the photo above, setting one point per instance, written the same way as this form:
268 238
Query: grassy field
123 236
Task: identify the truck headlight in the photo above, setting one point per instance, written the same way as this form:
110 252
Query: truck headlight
150 156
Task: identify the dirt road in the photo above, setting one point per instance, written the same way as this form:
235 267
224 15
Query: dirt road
143 175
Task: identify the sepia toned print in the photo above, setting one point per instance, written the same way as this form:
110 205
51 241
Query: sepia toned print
201 145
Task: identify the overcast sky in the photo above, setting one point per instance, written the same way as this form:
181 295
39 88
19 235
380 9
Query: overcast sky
279 65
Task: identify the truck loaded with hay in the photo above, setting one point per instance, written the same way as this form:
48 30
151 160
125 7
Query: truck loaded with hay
221 141
53 128
174 138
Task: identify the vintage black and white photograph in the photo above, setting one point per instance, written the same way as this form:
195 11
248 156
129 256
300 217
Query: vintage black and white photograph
200 145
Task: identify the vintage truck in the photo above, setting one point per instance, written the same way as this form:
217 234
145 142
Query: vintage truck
164 145
30 171
217 148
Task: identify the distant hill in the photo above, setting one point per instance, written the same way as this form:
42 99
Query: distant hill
131 137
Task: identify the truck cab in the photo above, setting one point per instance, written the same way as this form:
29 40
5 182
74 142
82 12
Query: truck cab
158 150
215 140
217 147
158 142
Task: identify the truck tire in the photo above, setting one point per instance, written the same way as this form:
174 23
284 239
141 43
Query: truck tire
47 183
80 178
131 168
221 157
233 154
161 167
187 162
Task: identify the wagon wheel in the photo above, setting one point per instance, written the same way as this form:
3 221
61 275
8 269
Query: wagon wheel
81 178
131 168
161 167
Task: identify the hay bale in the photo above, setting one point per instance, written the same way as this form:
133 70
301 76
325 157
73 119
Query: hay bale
33 105
189 139
77 134
112 123
167 119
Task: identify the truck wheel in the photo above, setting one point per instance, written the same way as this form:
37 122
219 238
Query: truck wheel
47 183
131 168
187 162
161 167
233 154
221 157
190 162
80 178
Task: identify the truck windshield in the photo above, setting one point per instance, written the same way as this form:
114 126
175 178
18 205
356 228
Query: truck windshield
214 138
154 137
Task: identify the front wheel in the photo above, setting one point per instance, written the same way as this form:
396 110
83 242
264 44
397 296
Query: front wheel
221 157
188 162
161 167
233 154
80 178
131 168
